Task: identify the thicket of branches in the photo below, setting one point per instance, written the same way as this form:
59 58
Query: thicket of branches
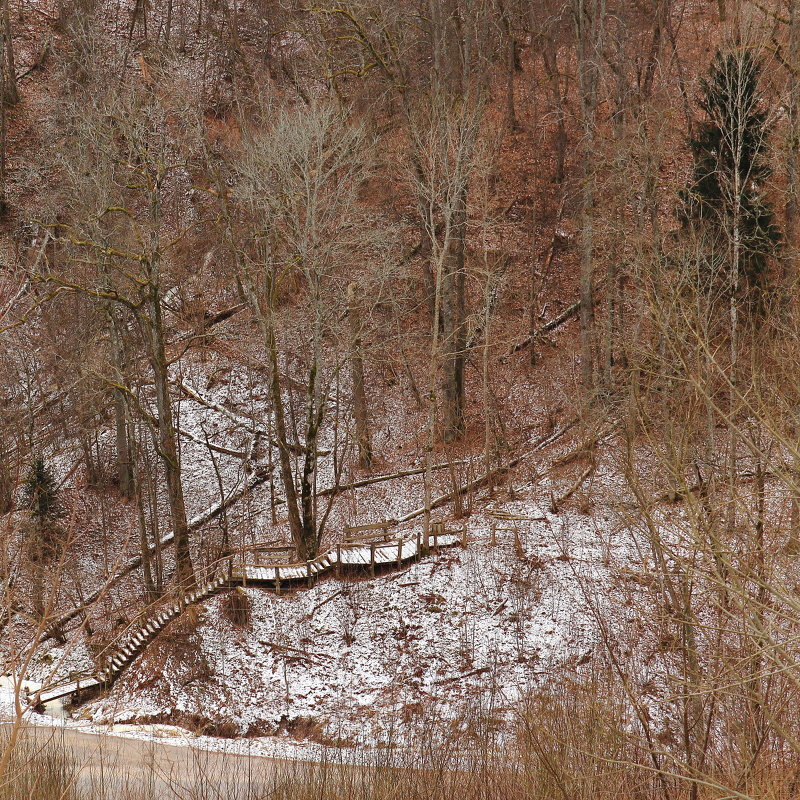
347 175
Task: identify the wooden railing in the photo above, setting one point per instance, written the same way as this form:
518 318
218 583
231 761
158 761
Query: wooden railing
223 573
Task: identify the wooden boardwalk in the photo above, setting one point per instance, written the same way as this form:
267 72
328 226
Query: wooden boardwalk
276 577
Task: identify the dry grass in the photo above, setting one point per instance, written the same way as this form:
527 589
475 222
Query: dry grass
573 741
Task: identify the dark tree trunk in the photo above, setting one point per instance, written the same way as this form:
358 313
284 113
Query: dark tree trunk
550 59
10 91
357 373
588 18
124 468
284 452
144 544
168 443
453 322
512 66
793 187
307 546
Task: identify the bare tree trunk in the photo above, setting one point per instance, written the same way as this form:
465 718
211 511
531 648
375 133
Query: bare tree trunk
307 546
123 450
7 484
793 181
3 127
733 438
10 91
610 326
266 325
453 327
144 545
550 59
738 188
755 687
168 442
432 403
512 66
659 23
589 15
610 329
124 468
284 453
155 528
488 439
168 23
357 371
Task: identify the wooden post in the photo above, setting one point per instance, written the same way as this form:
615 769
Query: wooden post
309 575
338 560
464 537
372 558
493 540
277 580
437 529
399 553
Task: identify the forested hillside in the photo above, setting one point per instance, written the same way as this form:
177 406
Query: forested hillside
377 368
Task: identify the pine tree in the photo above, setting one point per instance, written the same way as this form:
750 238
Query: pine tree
725 200
41 493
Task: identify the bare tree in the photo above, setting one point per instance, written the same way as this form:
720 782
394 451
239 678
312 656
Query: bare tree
117 250
295 200
589 20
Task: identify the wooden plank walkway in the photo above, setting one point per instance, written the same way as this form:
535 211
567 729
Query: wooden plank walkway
273 576
269 576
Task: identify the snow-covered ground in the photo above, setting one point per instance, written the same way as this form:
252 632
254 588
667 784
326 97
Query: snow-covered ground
460 635
352 659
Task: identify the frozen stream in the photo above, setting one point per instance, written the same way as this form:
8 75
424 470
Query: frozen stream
54 709
56 721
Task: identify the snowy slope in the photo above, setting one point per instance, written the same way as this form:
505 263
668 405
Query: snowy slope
353 658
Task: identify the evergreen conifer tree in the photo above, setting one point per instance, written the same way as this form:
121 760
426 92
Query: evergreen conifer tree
725 200
41 493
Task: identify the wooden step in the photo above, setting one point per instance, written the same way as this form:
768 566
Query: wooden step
352 555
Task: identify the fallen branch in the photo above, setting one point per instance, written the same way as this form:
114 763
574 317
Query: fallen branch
379 478
318 606
499 608
566 315
493 473
216 447
554 504
221 316
479 671
196 522
241 421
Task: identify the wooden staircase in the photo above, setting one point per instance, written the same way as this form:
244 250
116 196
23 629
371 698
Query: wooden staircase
126 652
273 576
131 646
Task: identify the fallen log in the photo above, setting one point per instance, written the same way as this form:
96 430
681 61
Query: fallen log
493 473
343 487
211 446
555 503
566 315
134 563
